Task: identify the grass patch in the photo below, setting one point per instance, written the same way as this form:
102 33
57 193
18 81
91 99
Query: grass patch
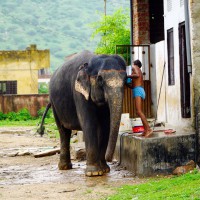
23 118
18 123
183 187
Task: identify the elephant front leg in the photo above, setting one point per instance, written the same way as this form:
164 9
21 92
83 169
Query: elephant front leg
90 126
65 159
103 137
93 165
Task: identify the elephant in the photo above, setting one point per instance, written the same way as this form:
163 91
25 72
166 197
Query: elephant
86 93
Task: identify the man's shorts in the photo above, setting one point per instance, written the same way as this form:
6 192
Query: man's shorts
139 92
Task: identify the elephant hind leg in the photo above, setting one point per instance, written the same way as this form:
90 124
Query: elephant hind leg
65 159
65 135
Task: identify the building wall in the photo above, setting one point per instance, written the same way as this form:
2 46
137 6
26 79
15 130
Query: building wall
173 102
141 22
194 6
158 81
23 66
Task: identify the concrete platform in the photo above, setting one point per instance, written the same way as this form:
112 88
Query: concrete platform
160 154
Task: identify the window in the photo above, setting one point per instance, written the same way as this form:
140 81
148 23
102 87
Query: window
170 50
184 75
169 5
8 87
156 21
181 3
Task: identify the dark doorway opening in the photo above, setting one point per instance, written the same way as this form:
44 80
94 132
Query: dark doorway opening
184 75
170 52
156 12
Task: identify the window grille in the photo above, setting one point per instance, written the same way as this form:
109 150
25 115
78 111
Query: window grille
8 87
170 50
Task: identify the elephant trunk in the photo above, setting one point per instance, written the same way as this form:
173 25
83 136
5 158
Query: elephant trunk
115 105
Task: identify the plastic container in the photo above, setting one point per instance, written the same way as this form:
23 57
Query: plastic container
137 126
138 129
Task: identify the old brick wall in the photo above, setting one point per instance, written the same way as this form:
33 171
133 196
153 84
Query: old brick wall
15 103
141 32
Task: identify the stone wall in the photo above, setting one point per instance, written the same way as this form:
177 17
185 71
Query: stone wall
16 103
195 44
160 154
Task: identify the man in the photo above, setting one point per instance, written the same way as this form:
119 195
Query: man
136 85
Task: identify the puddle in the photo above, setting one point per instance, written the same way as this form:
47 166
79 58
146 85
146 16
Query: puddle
26 174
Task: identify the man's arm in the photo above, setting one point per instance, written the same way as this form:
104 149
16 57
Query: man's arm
135 73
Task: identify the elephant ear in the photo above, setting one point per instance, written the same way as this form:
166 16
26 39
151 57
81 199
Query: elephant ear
82 83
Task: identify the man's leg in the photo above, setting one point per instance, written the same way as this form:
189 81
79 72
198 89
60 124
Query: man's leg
138 105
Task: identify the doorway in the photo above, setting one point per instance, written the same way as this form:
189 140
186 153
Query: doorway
184 75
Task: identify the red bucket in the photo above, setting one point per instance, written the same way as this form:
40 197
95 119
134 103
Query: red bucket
138 129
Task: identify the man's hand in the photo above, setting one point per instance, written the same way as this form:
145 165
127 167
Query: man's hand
128 82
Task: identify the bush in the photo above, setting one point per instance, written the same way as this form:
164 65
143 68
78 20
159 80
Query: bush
22 115
42 110
43 88
2 116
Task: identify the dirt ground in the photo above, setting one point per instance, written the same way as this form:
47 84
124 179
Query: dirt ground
22 176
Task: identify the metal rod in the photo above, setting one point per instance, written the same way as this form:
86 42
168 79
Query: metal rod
187 33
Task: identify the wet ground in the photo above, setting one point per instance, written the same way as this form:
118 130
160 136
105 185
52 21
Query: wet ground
22 176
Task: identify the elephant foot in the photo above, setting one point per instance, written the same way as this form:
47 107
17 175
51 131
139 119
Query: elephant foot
92 170
64 166
105 168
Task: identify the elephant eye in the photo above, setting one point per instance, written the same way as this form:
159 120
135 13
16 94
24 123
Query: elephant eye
99 81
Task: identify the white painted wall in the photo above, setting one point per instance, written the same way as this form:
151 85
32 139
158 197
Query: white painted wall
158 85
143 57
169 108
173 102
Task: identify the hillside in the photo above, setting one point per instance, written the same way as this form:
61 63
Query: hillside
60 25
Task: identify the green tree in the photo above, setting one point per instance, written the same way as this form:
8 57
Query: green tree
113 30
43 88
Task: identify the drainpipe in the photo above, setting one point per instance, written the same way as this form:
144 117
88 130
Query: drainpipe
131 20
131 32
187 33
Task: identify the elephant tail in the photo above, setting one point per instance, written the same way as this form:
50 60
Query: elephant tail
41 129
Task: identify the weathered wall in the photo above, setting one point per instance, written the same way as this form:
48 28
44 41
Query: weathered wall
156 155
195 44
23 66
173 18
141 22
157 70
15 103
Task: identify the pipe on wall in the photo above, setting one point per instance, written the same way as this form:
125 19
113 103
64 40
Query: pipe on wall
187 33
131 21
131 31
